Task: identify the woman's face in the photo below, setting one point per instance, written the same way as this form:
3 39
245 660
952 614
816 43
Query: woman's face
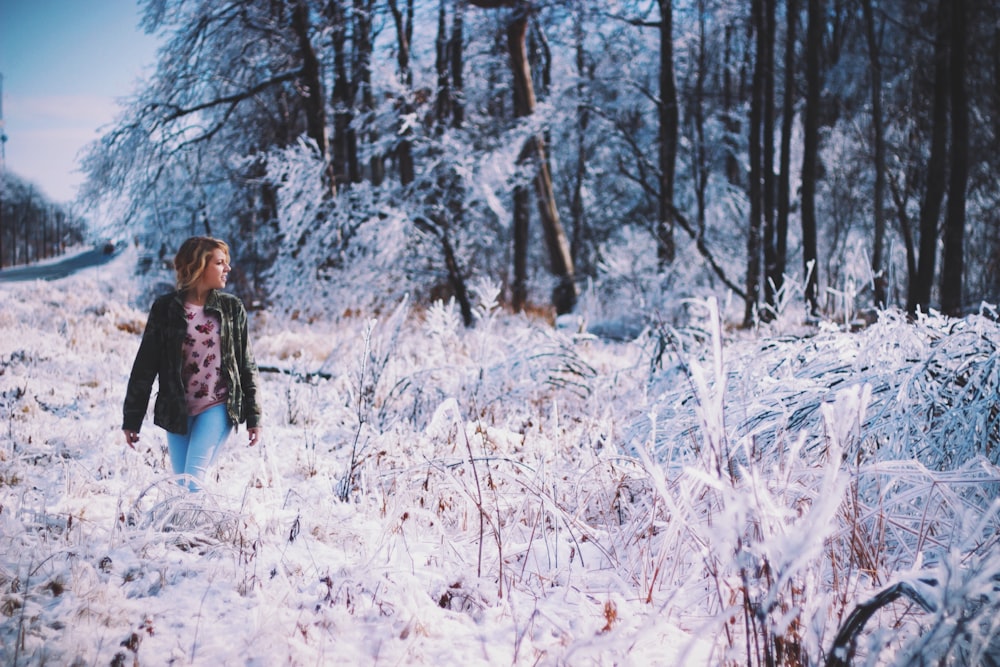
216 272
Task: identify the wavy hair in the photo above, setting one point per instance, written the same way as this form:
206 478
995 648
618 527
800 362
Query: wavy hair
192 258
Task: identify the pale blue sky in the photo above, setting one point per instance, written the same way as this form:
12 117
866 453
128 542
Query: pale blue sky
64 65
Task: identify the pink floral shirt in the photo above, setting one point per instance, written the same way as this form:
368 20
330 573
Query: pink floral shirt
203 383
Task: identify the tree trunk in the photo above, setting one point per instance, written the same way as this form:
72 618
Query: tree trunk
930 209
455 46
564 295
445 202
729 103
785 160
519 288
363 10
3 233
878 133
669 121
577 209
952 262
991 268
810 153
315 106
699 158
755 192
767 154
404 36
443 100
345 140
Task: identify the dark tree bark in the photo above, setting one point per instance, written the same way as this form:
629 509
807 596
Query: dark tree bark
340 96
699 160
930 209
443 100
784 169
810 154
667 145
524 104
755 193
455 53
953 258
560 262
314 103
878 137
363 10
729 104
519 287
577 209
991 267
345 139
767 154
403 21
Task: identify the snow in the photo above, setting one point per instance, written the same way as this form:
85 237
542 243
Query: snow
505 494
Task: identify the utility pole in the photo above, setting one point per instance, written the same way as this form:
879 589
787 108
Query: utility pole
3 167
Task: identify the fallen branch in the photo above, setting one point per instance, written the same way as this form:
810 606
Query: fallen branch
303 377
844 645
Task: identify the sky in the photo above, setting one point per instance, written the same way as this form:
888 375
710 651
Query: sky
65 63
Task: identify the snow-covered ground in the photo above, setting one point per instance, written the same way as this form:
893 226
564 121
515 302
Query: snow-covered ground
507 494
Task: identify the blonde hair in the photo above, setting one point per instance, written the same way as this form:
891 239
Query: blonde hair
192 258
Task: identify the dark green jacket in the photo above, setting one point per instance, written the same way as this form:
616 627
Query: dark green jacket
160 355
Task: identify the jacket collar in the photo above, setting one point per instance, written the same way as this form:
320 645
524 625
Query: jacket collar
212 301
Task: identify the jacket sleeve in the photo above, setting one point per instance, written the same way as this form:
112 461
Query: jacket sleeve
249 375
144 370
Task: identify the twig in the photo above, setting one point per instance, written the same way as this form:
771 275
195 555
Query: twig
345 491
479 505
844 645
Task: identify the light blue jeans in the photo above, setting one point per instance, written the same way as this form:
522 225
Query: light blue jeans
193 453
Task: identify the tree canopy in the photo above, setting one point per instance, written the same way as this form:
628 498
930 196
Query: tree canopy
551 146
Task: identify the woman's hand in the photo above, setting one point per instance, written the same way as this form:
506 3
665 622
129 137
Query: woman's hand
131 437
255 433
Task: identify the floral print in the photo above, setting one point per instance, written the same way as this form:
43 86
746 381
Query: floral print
203 384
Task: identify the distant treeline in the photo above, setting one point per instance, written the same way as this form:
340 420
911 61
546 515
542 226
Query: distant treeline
31 227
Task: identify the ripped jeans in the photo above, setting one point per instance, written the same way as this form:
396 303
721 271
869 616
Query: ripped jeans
193 453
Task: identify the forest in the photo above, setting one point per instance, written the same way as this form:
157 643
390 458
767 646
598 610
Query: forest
836 154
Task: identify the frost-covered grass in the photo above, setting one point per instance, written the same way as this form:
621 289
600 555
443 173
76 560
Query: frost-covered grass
507 494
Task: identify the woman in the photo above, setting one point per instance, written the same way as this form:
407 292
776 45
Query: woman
196 342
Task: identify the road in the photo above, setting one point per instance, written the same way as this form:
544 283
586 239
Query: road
54 270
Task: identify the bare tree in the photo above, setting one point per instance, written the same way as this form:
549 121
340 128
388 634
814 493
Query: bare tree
669 118
577 208
561 262
444 200
755 190
930 208
767 183
953 259
777 278
362 76
878 141
314 102
403 20
345 138
810 156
